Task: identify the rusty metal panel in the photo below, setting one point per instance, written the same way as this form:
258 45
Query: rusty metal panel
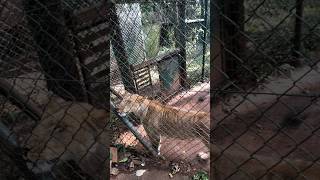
169 74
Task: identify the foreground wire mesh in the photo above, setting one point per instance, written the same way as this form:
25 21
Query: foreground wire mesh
264 122
264 75
54 121
160 50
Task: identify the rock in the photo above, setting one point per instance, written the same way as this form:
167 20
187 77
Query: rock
131 165
170 175
140 172
203 156
114 171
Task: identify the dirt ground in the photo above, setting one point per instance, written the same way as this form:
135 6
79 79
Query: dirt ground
252 123
175 150
150 174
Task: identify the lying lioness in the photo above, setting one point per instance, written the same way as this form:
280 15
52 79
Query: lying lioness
71 131
159 119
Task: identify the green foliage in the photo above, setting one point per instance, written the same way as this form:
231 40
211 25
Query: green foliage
201 175
194 68
271 27
152 32
120 147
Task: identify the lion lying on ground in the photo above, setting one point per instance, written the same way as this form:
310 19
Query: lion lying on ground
163 120
71 131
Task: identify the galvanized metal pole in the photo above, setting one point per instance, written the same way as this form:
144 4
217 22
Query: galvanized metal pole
204 13
127 122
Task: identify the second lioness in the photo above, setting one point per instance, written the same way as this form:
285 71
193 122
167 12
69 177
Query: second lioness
163 120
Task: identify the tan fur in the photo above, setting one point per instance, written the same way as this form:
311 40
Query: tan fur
60 135
159 119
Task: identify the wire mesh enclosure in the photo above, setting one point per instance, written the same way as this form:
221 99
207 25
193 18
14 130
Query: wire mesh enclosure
265 95
160 82
91 88
54 89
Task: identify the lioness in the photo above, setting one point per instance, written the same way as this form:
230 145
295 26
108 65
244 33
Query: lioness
71 131
163 120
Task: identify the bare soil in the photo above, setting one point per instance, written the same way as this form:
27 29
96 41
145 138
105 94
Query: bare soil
271 125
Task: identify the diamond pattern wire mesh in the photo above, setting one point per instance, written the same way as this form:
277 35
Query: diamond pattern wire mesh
264 120
154 37
63 138
268 131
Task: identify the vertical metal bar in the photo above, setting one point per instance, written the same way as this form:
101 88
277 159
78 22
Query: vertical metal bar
126 121
181 42
204 14
298 29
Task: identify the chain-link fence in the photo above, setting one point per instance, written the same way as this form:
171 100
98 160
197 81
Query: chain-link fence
54 89
265 58
160 81
56 122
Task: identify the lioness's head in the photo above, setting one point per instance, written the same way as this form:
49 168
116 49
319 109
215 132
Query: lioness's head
133 103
